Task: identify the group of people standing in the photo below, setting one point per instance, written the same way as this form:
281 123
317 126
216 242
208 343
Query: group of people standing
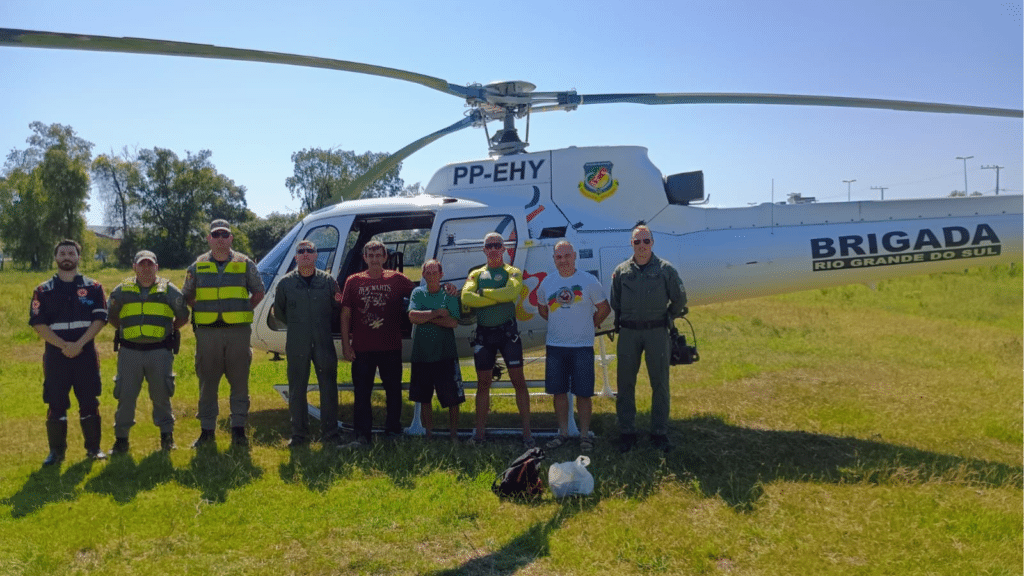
223 287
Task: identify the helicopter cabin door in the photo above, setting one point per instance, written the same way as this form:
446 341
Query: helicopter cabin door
328 236
458 242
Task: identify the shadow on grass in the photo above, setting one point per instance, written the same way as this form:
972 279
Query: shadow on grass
123 479
734 463
47 485
267 427
215 473
532 544
711 456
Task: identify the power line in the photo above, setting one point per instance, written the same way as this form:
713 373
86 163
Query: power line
996 168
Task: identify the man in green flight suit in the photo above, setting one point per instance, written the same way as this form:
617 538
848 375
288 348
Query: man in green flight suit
493 289
147 311
307 299
646 294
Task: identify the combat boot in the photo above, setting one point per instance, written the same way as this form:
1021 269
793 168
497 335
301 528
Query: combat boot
167 441
238 436
91 431
57 437
120 446
206 437
627 442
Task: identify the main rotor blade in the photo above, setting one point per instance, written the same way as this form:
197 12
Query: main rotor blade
379 169
61 41
784 99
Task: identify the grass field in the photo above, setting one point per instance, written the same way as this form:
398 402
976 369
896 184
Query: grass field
840 431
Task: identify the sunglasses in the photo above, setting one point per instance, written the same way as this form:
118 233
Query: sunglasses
306 251
220 234
639 240
493 245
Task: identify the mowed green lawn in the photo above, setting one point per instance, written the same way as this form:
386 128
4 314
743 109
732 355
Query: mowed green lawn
841 431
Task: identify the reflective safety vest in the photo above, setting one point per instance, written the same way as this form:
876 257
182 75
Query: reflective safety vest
221 296
147 319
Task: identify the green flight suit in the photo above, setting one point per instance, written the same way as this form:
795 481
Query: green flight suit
644 300
307 306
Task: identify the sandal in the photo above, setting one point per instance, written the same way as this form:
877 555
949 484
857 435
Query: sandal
556 442
586 445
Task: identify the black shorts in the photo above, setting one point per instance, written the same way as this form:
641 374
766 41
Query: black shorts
445 376
491 340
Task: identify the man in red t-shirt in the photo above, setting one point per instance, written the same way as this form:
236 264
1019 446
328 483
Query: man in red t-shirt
371 338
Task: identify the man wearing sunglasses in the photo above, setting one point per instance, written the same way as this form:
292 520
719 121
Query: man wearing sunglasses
222 287
493 289
646 294
307 299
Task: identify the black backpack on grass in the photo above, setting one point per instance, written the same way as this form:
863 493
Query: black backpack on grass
522 477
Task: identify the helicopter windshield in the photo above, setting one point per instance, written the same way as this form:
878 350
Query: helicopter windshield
271 263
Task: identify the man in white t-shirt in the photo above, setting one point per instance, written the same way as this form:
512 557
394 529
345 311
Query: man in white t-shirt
574 304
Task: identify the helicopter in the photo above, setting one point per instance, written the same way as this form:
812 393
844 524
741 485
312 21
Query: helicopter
593 196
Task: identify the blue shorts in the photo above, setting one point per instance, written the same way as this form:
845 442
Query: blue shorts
569 369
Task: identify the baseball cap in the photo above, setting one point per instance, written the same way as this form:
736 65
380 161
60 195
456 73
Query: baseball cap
220 224
145 255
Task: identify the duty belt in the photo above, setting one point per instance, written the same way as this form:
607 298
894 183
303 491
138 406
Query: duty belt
644 325
145 347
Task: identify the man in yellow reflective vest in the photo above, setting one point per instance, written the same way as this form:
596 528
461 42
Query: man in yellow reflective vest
147 311
222 287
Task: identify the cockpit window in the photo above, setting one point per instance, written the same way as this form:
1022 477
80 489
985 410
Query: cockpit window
271 263
325 238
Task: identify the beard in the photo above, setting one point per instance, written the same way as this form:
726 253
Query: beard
67 265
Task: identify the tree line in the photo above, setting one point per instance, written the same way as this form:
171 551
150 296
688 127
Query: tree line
156 199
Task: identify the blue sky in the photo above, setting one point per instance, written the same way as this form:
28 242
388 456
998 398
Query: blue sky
254 116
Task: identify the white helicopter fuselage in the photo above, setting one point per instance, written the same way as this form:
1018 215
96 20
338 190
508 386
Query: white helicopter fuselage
593 196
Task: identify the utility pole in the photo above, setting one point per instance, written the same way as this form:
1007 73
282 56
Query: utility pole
882 188
967 191
996 168
848 182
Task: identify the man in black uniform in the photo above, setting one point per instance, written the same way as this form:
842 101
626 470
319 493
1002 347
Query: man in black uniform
68 311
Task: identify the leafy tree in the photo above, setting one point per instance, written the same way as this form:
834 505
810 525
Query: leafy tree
118 182
22 203
410 190
46 137
322 175
43 193
265 233
66 183
177 199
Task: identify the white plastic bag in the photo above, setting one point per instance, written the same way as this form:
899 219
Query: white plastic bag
571 478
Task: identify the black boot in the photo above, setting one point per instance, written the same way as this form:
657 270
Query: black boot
120 446
626 442
206 437
238 436
167 441
57 436
661 442
91 431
